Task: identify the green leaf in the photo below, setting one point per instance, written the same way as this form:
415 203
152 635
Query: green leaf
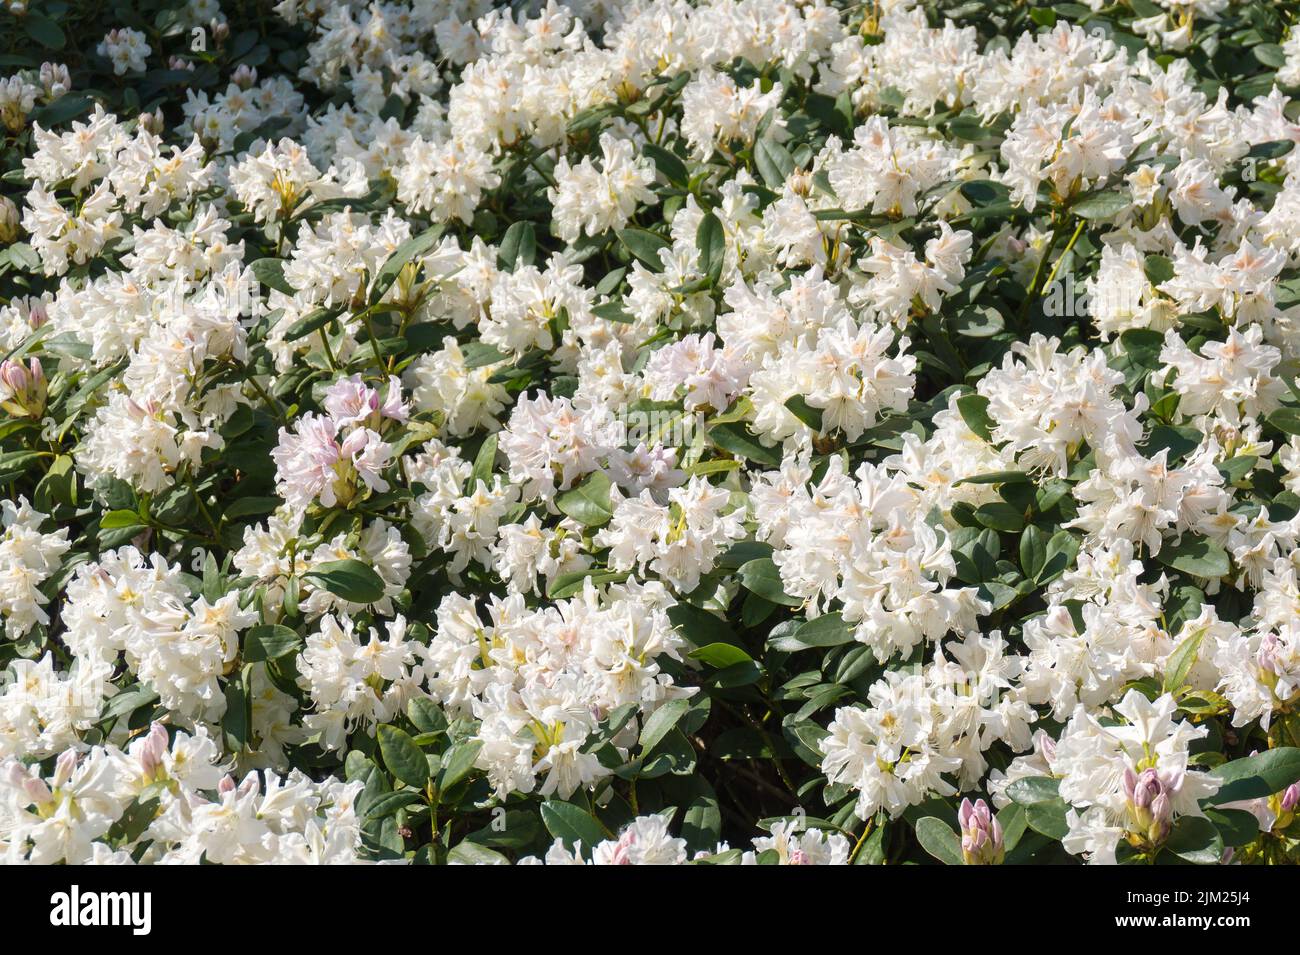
828 630
483 462
938 839
735 438
589 502
1044 808
404 253
1236 826
996 477
985 192
712 244
315 319
425 715
1270 54
480 354
1033 551
1195 839
1274 149
270 272
270 642
236 723
760 576
1062 549
645 246
1158 268
404 759
702 823
1000 516
773 161
662 720
1258 776
118 519
63 109
799 407
350 579
720 655
1048 818
472 853
132 824
1103 205
571 825
1181 661
389 803
566 585
1029 790
457 762
44 30
518 246
1197 556
974 411
251 506
1286 420
669 164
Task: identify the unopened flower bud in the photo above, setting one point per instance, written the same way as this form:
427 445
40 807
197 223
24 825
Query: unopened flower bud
1284 805
1148 804
150 750
32 787
8 220
220 30
1291 797
55 80
152 122
245 76
1266 657
22 388
981 834
64 767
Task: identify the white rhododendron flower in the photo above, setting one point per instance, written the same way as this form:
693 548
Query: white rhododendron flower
754 432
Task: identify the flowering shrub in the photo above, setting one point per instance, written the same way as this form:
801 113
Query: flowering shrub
772 431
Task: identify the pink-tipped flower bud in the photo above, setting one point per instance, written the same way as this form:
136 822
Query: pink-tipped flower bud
981 834
55 80
152 122
32 787
1149 804
1266 657
245 76
64 767
1291 797
22 388
1284 806
150 750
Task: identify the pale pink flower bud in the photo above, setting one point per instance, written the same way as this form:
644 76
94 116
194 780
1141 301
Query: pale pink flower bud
150 750
1291 797
64 767
981 834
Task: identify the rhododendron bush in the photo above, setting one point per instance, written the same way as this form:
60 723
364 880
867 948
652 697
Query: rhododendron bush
748 431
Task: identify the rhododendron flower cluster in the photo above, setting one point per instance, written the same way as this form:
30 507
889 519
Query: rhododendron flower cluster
791 432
